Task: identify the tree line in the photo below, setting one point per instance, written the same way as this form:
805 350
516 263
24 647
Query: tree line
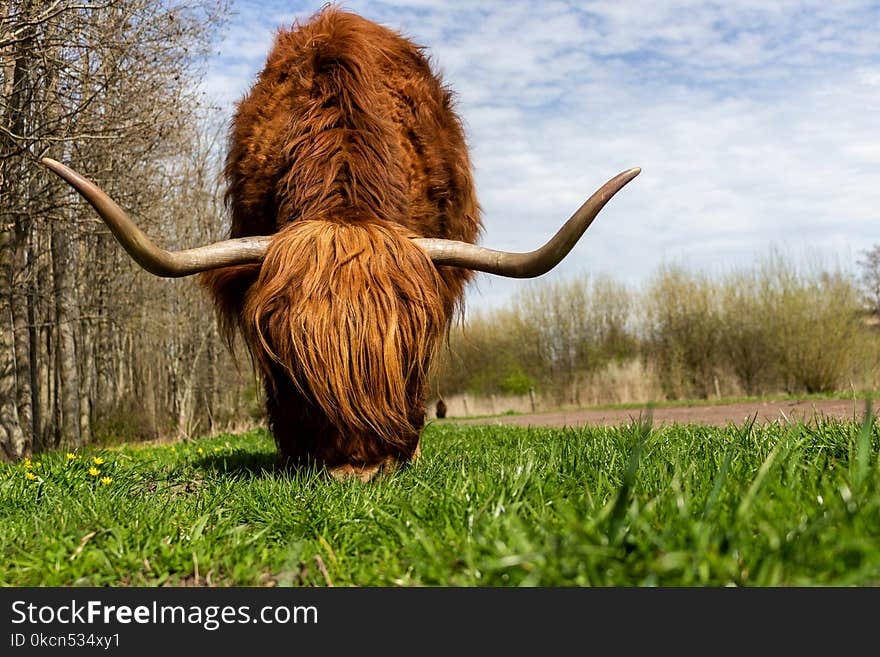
90 345
777 326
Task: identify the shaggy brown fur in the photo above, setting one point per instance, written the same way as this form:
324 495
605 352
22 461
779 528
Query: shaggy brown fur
345 148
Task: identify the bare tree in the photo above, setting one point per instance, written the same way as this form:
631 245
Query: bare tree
109 86
870 279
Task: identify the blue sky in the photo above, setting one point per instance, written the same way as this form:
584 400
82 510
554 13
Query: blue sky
756 124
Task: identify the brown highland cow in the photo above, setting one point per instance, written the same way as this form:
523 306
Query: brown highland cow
354 219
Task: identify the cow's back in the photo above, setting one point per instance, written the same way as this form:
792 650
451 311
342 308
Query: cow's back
348 122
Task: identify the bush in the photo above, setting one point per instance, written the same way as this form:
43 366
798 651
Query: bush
479 357
682 332
748 341
517 382
814 326
126 422
572 329
769 328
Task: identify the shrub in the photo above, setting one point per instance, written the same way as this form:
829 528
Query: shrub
814 325
767 328
682 331
572 329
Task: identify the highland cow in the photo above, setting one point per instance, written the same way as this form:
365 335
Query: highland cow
354 221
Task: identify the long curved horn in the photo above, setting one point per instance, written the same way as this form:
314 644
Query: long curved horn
534 263
244 250
154 259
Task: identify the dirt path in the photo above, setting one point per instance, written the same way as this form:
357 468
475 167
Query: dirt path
716 414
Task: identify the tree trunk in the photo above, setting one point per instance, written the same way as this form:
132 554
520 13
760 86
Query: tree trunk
21 330
87 367
187 423
15 415
45 375
66 321
152 413
34 373
12 440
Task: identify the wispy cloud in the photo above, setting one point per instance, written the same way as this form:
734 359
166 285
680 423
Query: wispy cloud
755 123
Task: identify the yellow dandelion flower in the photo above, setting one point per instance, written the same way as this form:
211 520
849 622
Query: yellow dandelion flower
217 449
38 464
94 471
70 456
30 476
200 450
98 460
106 480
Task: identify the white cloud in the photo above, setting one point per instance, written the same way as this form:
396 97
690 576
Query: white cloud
755 123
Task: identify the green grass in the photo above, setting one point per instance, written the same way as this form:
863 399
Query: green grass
784 505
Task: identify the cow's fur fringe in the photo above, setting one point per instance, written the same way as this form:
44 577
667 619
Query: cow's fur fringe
351 313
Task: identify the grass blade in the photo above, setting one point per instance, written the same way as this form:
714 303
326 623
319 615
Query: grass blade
863 448
725 466
622 500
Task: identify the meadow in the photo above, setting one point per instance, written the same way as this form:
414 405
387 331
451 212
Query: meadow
633 505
